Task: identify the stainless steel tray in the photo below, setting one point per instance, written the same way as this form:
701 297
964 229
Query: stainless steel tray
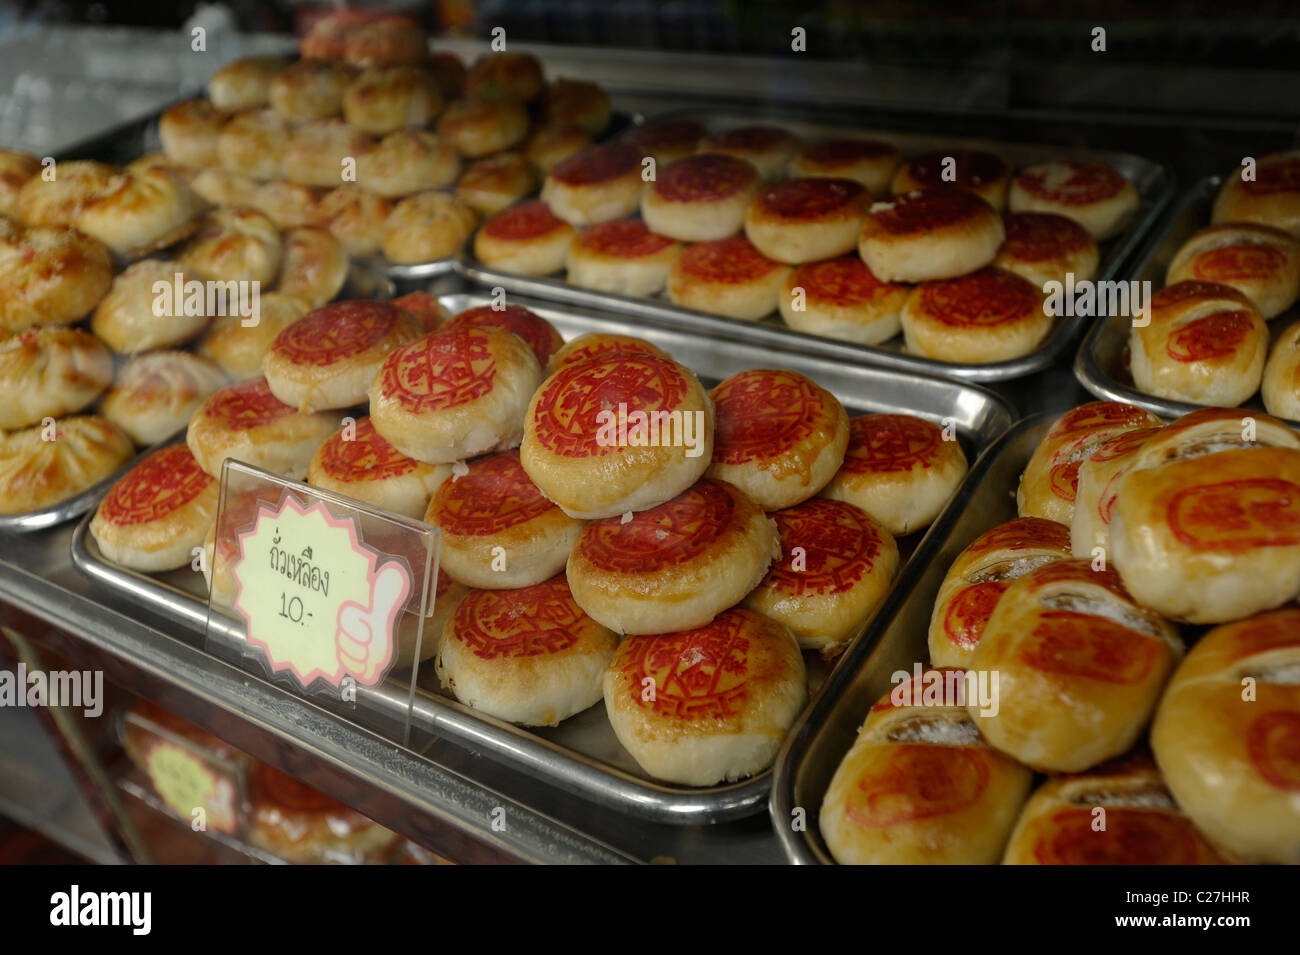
582 754
1152 180
896 639
1101 364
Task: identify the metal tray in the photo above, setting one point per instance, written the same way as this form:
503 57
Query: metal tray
1101 364
582 755
1153 181
896 639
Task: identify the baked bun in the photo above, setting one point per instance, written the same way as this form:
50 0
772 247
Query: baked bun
835 568
596 185
234 245
978 578
778 436
899 469
389 39
49 276
724 697
304 827
1051 478
936 233
1042 247
602 345
315 266
1280 388
768 149
310 90
238 349
357 462
841 298
807 220
548 145
142 212
1080 667
252 144
159 160
666 142
16 170
50 372
153 518
356 217
424 308
537 333
244 83
1272 198
36 473
868 162
221 187
528 656
1142 823
496 76
320 152
675 566
133 318
919 785
622 257
480 127
155 394
1091 193
244 421
426 227
574 451
1097 488
987 316
1204 343
328 35
406 162
384 99
1225 734
189 132
58 201
576 103
454 394
728 277
976 171
527 239
489 185
289 205
700 198
1259 261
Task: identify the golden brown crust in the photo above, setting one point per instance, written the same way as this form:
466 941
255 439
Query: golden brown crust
49 276
408 161
490 185
356 217
239 245
154 395
252 144
479 127
142 212
358 462
315 266
239 348
16 170
50 372
929 234
244 83
426 227
1280 388
496 76
807 220
58 201
310 90
576 103
384 99
134 318
1271 198
288 204
987 316
1091 193
189 133
323 152
1259 261
979 172
36 473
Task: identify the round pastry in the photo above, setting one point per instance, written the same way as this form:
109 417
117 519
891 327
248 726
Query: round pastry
547 145
1097 488
408 161
601 345
446 598
528 656
710 705
159 160
16 170
50 372
866 161
620 432
1042 247
244 83
221 187
389 39
244 421
1281 385
498 531
1225 736
936 233
1259 261
287 204
142 212
919 785
835 568
1091 193
355 217
595 185
980 576
315 266
489 185
155 394
357 462
305 827
424 308
1051 479
1080 667
140 312
728 277
454 394
385 99
319 153
987 316
36 472
622 257
238 348
49 276
778 436
983 173
328 357
675 566
841 298
666 142
58 201
807 220
527 239
1271 198
1142 823
189 132
326 40
1204 343
496 76
426 227
480 127
252 144
450 72
768 149
153 518
899 469
234 245
700 198
310 90
536 332
576 103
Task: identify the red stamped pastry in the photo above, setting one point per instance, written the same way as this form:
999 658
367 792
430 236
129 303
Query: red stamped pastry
811 198
927 209
704 178
1245 260
840 548
623 239
728 261
336 332
764 413
982 299
1098 416
1023 533
246 404
598 164
1214 336
919 781
367 457
528 220
669 535
1275 177
438 371
1236 516
423 306
1270 631
1040 236
1273 742
1131 837
494 496
1079 571
1094 648
844 281
1084 183
698 675
914 695
528 622
537 333
891 442
159 485
969 612
1181 292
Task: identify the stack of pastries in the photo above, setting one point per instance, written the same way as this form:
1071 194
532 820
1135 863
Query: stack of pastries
1134 539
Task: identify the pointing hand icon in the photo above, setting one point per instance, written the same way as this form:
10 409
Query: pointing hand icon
364 637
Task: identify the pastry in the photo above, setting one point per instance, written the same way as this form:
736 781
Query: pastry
154 395
936 233
357 462
527 239
977 171
142 212
622 257
384 99
49 276
1091 193
1270 197
1043 247
189 132
408 161
536 332
728 277
490 185
37 472
244 83
595 185
239 348
807 220
427 227
1259 261
768 149
315 266
866 161
666 142
480 127
252 144
310 90
50 372
987 316
841 298
140 312
323 152
496 76
699 198
233 245
57 201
